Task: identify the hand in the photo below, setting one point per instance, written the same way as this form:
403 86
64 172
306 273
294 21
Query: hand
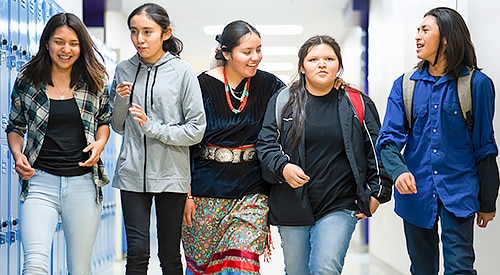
189 212
96 149
139 114
339 83
124 89
294 175
373 204
406 184
483 218
23 168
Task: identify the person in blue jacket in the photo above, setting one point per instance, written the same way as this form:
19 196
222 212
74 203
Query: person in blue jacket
445 174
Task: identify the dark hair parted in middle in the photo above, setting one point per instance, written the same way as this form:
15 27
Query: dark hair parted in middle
298 92
459 50
88 67
232 36
160 16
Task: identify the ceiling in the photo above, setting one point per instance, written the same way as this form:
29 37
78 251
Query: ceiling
188 17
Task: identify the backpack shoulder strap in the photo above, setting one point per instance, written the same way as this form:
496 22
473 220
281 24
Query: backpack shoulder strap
408 88
281 100
357 103
464 93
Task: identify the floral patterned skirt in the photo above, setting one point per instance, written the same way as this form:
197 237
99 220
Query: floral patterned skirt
227 236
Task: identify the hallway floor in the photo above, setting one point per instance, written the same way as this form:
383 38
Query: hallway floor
357 263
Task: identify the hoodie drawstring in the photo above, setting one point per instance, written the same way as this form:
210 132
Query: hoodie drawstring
153 85
133 85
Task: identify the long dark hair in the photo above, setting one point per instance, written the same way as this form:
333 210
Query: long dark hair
87 68
298 92
231 37
160 16
459 47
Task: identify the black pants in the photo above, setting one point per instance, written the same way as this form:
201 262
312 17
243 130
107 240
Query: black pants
136 213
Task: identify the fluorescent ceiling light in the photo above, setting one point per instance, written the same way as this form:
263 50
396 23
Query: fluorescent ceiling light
279 51
276 66
263 29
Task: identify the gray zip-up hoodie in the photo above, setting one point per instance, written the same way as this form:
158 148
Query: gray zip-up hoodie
155 158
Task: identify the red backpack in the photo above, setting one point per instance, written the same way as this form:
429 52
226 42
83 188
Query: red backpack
354 96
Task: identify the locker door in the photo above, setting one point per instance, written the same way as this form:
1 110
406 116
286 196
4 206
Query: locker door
55 8
4 215
46 13
14 236
4 173
4 85
40 24
18 24
4 40
22 52
13 41
32 10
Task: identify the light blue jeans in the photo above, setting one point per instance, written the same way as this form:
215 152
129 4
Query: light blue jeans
318 249
73 199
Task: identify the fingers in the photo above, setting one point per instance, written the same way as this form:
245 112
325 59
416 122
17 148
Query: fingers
484 218
186 220
339 83
482 222
95 155
374 204
24 173
297 181
294 175
189 213
138 113
360 216
405 184
124 89
24 169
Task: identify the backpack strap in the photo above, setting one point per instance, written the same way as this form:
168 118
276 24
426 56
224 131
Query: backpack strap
464 93
281 100
357 103
408 88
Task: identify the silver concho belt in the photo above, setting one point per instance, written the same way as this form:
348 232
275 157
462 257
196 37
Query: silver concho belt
229 155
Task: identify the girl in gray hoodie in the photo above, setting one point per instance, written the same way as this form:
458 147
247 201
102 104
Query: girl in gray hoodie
158 108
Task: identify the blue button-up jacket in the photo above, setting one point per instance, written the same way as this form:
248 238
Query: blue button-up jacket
438 150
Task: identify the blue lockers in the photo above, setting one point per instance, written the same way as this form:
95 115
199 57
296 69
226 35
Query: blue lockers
21 24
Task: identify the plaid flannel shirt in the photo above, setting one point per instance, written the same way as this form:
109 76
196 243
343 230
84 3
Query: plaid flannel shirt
29 114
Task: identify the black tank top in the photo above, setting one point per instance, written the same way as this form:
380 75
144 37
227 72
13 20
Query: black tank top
64 141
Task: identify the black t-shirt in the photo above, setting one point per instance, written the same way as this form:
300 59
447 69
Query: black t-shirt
64 141
332 185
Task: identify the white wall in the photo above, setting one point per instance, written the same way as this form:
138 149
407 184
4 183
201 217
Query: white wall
117 34
483 20
393 25
73 6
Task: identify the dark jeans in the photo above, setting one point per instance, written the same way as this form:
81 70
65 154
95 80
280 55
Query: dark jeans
457 239
136 213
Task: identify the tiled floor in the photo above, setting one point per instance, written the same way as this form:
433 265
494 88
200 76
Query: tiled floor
357 263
